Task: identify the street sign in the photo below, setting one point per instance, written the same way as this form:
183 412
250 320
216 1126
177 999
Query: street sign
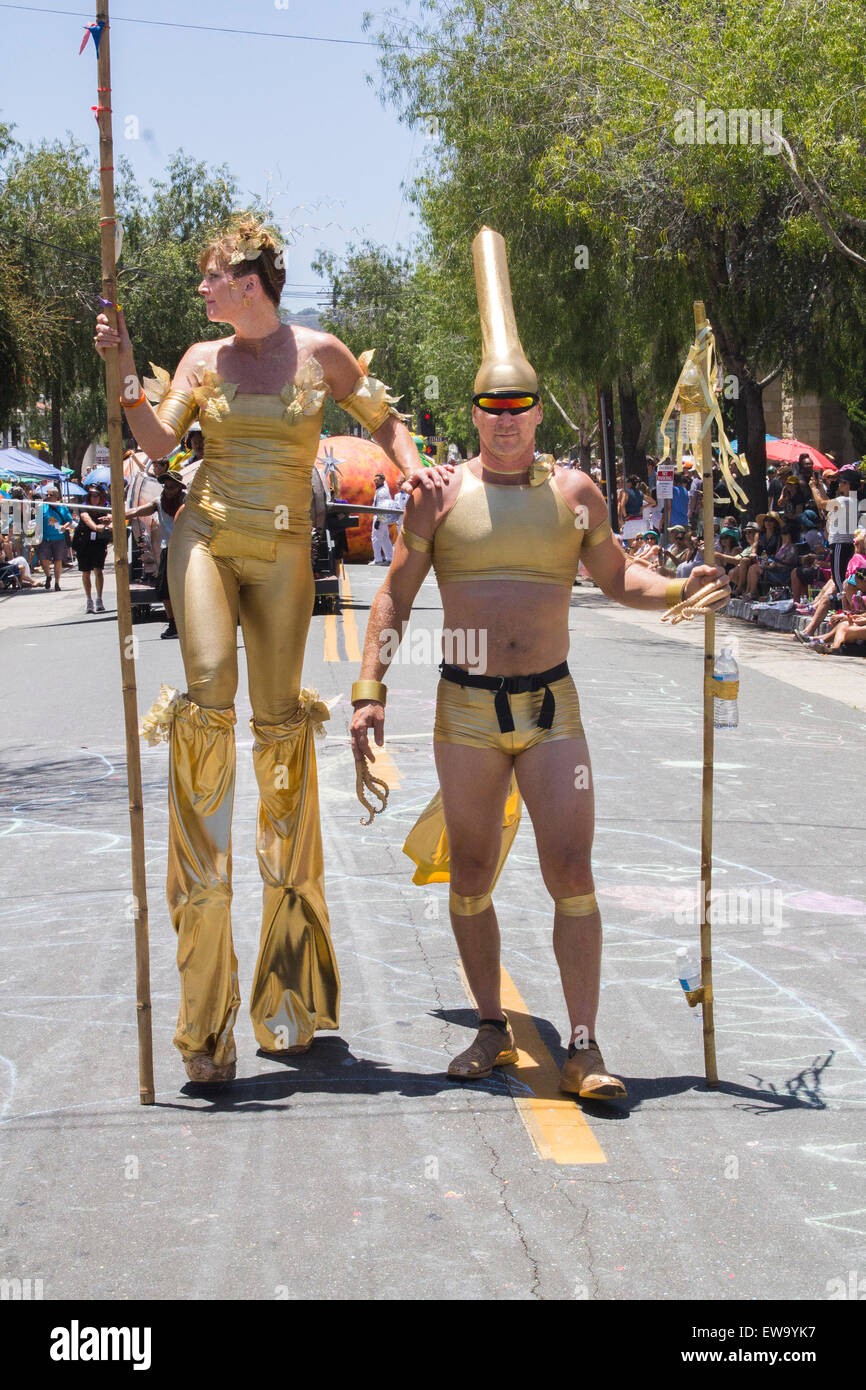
101 456
665 482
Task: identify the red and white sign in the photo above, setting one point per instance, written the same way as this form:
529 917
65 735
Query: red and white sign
665 482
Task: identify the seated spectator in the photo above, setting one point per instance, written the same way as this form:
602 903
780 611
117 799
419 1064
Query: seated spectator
648 551
747 552
694 557
849 626
10 561
776 569
678 546
812 571
811 529
728 548
768 542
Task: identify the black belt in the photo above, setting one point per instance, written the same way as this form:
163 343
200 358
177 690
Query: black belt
511 685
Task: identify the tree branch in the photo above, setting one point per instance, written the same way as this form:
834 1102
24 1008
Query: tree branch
814 202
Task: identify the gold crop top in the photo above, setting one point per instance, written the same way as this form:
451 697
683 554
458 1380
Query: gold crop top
259 450
508 531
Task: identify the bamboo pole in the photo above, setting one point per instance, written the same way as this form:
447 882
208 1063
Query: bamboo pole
706 457
121 566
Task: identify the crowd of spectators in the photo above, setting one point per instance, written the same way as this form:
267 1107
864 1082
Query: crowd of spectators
68 536
803 554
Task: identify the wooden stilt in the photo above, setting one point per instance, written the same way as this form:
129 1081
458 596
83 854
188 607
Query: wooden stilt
706 459
121 566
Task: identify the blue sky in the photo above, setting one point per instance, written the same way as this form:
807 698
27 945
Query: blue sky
294 119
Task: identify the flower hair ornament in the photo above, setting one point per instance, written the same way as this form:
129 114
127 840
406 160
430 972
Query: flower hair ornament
248 249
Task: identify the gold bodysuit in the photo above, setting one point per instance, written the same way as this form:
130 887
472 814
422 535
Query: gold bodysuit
241 550
510 531
525 533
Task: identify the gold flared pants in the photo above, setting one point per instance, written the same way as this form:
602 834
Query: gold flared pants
296 987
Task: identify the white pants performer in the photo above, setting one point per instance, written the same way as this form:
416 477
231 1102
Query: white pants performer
383 550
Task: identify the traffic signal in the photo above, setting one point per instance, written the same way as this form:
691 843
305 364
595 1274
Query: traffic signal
425 424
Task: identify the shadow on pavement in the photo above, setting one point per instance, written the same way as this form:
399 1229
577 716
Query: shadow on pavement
332 1069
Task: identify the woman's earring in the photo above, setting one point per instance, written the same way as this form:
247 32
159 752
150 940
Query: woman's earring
246 301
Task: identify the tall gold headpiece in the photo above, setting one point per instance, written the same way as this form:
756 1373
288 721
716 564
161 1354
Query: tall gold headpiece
504 366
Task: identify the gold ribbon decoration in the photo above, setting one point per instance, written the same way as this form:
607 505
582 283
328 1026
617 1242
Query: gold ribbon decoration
156 387
318 711
156 724
307 394
693 394
213 396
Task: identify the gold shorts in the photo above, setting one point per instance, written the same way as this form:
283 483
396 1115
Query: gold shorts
465 715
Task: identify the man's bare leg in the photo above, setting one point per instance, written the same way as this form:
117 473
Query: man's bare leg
474 784
555 781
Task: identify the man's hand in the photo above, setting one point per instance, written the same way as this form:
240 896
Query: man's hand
436 476
701 576
369 714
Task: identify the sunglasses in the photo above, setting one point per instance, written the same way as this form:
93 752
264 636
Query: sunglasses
496 405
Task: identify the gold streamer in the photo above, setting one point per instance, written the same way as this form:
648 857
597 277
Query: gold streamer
693 394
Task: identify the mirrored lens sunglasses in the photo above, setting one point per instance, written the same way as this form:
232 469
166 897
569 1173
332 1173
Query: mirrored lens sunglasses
495 405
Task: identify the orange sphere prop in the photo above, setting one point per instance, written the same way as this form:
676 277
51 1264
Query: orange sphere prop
359 460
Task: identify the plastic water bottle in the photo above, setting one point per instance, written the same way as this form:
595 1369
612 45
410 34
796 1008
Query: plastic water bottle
688 968
726 674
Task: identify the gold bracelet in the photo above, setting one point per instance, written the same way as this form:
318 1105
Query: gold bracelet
675 592
369 690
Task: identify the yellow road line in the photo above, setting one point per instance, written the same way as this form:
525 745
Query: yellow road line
557 1126
350 627
385 767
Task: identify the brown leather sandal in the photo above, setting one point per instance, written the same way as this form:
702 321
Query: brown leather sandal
492 1047
585 1074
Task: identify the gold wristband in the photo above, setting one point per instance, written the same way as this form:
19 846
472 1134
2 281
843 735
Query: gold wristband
674 592
369 690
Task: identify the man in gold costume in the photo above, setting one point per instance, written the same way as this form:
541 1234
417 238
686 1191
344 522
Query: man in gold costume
241 550
505 537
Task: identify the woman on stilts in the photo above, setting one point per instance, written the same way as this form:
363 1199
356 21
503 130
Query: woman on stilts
241 548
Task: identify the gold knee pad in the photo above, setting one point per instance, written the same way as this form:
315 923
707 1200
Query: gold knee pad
463 905
582 905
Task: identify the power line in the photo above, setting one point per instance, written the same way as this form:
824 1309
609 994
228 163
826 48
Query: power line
203 28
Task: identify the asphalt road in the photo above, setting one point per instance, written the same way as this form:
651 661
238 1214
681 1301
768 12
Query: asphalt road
359 1171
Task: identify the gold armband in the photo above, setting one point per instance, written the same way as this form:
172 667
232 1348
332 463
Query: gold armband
177 409
419 543
368 403
598 533
369 690
674 592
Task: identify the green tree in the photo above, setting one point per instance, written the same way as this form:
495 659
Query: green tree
569 123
